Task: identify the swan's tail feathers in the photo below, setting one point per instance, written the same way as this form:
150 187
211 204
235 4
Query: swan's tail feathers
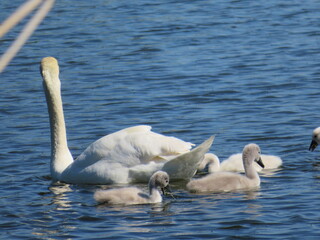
185 166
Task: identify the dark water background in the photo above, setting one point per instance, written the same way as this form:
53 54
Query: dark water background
247 71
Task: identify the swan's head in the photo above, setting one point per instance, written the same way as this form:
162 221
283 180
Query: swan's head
315 139
251 152
49 70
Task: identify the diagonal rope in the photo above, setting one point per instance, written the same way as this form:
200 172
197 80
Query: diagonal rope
27 31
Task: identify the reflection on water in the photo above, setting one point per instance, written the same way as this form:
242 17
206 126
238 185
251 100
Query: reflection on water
269 172
60 198
44 224
254 209
138 218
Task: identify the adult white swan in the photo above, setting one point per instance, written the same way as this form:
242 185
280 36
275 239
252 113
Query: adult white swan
234 163
315 139
133 195
229 181
119 157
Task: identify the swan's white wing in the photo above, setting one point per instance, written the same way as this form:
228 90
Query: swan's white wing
141 173
105 172
151 146
132 146
181 167
100 172
186 165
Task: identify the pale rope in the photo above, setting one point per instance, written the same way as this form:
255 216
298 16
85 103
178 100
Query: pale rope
18 15
30 27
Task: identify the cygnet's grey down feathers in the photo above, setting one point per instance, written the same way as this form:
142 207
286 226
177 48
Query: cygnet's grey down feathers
228 181
133 195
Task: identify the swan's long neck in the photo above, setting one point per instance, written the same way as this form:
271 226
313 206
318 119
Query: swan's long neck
61 157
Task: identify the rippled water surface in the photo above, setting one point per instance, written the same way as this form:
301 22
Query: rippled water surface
246 71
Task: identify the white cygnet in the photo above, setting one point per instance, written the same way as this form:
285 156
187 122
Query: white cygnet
228 181
212 161
133 195
315 139
234 163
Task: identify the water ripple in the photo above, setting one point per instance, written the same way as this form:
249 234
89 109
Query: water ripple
246 72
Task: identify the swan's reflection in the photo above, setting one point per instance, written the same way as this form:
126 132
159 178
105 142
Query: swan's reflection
254 209
269 172
59 198
139 218
45 226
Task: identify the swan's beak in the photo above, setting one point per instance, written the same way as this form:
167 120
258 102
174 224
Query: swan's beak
313 145
259 161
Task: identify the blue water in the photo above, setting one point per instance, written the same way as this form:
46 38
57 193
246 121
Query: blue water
246 71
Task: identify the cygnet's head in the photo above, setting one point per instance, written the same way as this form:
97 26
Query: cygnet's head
252 151
160 179
315 139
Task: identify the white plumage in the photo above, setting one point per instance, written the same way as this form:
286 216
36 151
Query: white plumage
234 163
115 158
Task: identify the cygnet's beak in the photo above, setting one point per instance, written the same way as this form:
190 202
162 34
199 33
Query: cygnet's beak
259 161
313 145
166 189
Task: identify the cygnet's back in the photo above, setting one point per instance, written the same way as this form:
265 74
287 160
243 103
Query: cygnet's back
234 163
228 181
133 195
